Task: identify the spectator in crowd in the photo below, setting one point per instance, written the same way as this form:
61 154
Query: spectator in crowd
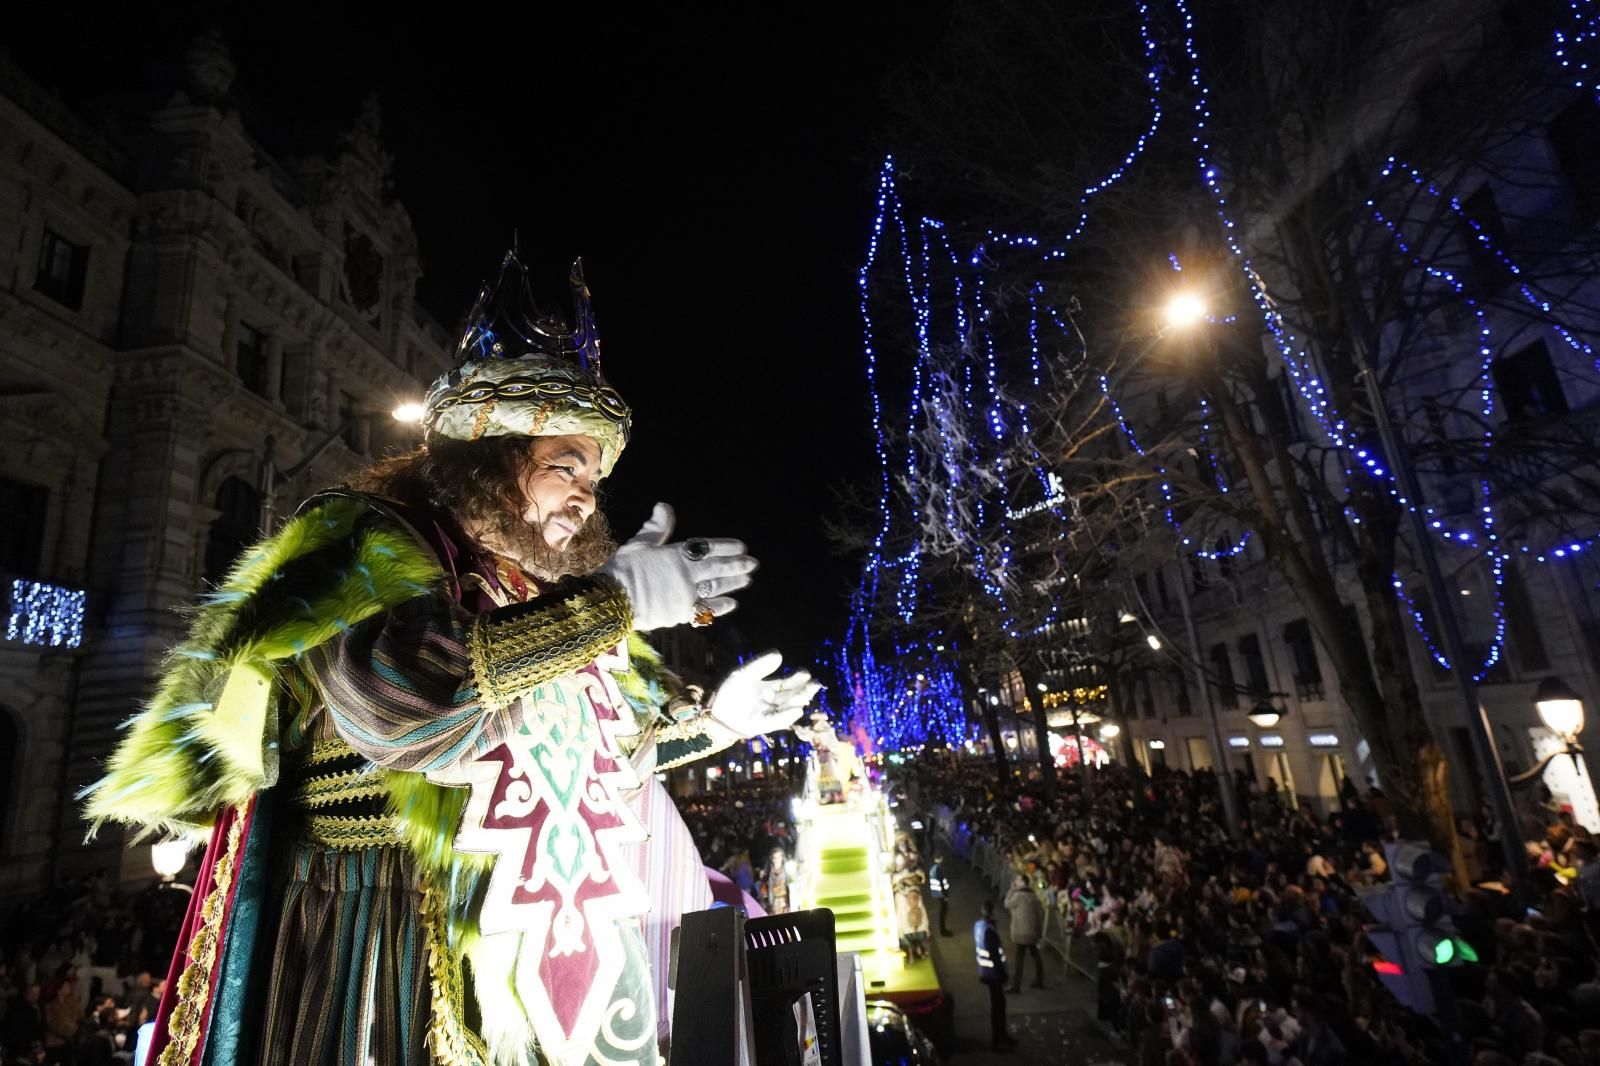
25 1023
1027 925
747 818
63 1019
1213 950
72 953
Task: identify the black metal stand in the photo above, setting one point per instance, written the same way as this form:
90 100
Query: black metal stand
739 981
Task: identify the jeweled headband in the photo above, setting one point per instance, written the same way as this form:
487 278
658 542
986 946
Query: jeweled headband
520 373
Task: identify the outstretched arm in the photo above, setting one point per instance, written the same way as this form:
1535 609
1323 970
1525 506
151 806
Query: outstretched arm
422 685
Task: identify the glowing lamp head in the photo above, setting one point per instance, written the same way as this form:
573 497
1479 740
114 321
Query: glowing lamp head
1183 310
1109 730
1559 707
169 858
1265 715
1154 642
409 412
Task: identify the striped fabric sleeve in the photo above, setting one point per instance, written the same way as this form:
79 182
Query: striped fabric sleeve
398 687
424 684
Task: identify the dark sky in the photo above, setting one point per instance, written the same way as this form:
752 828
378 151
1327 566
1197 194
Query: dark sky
715 168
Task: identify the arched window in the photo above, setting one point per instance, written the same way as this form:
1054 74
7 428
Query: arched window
237 524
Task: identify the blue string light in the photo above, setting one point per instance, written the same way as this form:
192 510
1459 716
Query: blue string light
47 615
996 424
1575 42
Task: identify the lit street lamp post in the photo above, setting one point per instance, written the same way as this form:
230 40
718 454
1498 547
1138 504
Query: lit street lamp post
1561 711
168 858
271 476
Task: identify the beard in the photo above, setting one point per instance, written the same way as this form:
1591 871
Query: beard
525 542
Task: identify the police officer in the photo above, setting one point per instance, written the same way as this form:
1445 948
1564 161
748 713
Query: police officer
939 886
992 972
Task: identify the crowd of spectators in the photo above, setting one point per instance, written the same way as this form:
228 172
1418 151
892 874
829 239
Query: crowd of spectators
1211 951
81 968
746 831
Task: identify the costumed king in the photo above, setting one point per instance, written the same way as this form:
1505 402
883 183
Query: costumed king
417 726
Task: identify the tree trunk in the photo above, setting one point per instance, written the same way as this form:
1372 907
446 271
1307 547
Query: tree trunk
991 721
1041 729
1375 677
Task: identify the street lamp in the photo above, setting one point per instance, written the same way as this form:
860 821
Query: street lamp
1561 711
1110 730
272 476
168 858
1560 708
1183 309
1264 715
1154 641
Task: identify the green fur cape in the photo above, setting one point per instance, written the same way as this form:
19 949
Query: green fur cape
210 736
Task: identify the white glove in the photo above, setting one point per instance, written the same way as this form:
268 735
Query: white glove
661 579
750 704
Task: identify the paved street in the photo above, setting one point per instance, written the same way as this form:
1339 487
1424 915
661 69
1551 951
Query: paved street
1053 1025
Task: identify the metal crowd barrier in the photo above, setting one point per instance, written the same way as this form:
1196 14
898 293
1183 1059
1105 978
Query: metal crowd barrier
995 868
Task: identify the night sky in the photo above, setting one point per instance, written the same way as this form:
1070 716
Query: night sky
715 170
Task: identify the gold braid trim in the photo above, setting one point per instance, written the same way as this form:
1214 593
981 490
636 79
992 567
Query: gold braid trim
515 650
194 984
328 749
690 729
358 784
685 729
453 1043
344 832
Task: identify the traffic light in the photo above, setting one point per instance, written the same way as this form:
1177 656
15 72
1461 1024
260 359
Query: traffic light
1412 932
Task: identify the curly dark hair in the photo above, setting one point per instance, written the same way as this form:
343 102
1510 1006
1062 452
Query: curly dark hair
479 484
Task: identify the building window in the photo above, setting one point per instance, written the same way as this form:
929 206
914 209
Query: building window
252 361
1146 698
1185 708
62 268
1222 676
22 533
349 430
238 523
1255 667
1161 590
1303 651
1527 383
1575 139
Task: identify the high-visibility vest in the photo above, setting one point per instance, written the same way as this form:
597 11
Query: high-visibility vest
938 884
988 961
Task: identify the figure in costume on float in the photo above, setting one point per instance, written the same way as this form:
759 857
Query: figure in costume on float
417 728
911 911
833 758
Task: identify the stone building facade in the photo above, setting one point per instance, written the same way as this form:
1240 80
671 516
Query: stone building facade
179 312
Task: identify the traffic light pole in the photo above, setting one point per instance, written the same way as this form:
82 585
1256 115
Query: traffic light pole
1477 719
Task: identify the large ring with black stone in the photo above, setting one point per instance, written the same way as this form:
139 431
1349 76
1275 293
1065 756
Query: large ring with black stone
696 548
703 615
